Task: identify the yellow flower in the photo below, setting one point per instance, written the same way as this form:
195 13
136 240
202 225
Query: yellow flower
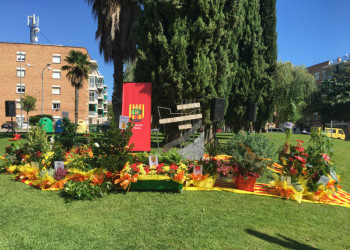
152 172
166 168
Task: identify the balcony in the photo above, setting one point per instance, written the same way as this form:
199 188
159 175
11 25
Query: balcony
99 96
92 99
92 113
100 106
99 85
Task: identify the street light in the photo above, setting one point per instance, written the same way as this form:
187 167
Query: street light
42 83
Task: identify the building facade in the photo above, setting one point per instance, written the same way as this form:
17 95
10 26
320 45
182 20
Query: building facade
35 69
97 96
322 72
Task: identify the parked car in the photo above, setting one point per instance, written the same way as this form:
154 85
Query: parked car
275 130
154 130
7 125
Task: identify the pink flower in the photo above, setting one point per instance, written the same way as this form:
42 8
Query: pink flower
325 157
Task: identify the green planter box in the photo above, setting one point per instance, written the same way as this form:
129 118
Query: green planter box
165 185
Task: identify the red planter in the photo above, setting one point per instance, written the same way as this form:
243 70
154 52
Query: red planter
245 184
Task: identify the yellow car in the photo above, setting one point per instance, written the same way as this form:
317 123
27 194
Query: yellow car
337 133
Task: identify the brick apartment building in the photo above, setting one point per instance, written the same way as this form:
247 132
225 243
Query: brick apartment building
322 72
58 94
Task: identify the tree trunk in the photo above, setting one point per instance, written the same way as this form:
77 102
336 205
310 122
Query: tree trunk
76 104
117 97
27 122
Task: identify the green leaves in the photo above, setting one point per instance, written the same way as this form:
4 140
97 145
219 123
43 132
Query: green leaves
84 190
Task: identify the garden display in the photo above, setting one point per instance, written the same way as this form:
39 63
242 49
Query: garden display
99 165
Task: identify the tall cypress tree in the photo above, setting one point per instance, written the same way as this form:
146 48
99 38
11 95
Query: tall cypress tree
247 85
184 51
269 39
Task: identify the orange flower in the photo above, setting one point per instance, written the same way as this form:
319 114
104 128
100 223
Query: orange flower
126 180
97 180
179 176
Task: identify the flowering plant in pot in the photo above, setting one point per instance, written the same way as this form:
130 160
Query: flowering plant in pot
251 154
308 172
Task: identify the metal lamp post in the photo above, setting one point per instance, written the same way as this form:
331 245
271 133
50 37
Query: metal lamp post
42 83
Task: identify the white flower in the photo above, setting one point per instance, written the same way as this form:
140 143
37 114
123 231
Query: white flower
96 144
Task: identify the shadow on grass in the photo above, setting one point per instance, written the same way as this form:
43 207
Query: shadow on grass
284 241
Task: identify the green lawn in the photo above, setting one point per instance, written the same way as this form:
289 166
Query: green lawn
31 218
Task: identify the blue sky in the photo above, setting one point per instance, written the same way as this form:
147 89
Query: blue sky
309 31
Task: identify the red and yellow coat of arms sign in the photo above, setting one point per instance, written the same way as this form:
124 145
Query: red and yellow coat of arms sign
136 112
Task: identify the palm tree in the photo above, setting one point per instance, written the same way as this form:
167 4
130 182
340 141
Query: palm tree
78 70
116 19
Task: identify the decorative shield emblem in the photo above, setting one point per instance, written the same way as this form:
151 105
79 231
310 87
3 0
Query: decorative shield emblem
136 112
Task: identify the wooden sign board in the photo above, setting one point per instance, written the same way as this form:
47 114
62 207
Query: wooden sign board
180 118
185 126
189 106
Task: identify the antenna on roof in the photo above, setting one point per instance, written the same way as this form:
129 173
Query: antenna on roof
33 24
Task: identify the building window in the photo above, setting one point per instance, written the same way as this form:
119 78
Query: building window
92 82
92 96
18 104
56 90
317 76
323 75
21 56
56 105
21 88
21 72
56 58
56 74
315 116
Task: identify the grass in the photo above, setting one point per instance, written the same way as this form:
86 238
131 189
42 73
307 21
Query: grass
31 218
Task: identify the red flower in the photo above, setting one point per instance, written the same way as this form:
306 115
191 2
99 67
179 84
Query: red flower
109 175
305 154
300 149
293 171
300 158
159 168
291 159
147 169
300 141
134 167
38 154
173 166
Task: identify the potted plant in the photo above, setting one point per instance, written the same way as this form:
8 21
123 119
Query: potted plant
251 154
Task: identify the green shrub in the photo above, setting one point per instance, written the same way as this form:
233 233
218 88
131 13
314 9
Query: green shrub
68 136
37 143
111 150
34 120
248 152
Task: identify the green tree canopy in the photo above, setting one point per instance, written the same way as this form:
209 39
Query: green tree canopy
184 51
28 104
334 97
293 91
